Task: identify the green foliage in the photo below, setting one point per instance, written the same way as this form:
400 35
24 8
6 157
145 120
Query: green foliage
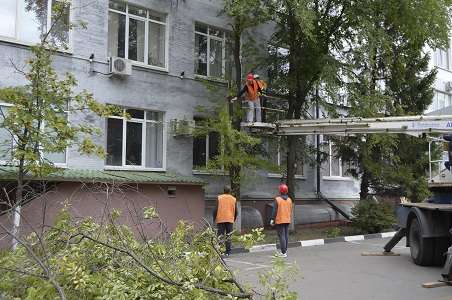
388 75
105 261
38 118
333 232
275 281
237 148
370 216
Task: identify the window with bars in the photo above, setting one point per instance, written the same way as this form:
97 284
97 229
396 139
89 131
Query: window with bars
213 57
136 142
28 21
137 34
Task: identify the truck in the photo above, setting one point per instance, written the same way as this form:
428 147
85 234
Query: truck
426 226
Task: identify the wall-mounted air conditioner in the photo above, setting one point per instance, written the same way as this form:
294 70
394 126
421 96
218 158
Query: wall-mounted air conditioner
448 86
120 66
182 127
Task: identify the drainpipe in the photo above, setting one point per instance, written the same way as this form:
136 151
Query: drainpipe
317 142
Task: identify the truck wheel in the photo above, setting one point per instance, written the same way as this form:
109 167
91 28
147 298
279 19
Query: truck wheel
441 246
421 249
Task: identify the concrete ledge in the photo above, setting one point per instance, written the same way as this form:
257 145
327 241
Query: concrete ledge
318 242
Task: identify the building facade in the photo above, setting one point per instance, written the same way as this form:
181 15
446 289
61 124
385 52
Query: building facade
174 46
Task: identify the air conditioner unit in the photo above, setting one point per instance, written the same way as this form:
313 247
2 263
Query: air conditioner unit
448 86
182 127
120 66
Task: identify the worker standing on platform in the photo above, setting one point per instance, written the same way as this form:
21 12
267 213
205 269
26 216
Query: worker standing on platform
261 83
281 217
252 90
225 214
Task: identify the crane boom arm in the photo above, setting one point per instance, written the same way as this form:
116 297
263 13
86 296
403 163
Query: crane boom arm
413 125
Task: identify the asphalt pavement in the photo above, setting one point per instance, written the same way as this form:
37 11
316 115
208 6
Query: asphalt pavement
339 271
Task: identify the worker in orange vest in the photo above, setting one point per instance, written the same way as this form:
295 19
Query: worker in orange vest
281 216
252 90
225 214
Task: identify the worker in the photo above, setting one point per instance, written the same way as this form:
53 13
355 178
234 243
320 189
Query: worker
252 91
261 83
281 217
225 214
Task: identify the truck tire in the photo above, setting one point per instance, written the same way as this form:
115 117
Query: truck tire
441 246
421 249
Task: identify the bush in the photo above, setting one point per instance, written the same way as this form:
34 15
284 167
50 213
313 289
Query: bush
333 232
88 260
371 216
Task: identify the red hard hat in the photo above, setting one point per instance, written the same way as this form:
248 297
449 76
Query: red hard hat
283 189
250 76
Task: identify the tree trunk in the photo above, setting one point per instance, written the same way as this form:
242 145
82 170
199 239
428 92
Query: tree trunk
235 115
18 204
364 188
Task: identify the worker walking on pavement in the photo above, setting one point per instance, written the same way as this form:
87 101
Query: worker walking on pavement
252 89
281 217
225 214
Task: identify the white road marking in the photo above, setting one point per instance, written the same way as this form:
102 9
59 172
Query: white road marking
354 238
376 245
260 248
387 234
312 242
246 263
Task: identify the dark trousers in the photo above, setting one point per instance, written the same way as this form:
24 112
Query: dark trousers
283 235
224 229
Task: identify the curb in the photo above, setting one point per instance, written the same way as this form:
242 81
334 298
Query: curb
317 242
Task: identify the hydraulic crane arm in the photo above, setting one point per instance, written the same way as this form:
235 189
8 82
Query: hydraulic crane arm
412 125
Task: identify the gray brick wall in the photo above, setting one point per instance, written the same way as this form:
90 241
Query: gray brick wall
146 88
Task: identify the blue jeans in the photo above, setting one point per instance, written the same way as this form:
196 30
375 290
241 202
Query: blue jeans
283 235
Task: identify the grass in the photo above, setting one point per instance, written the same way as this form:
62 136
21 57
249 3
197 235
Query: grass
310 233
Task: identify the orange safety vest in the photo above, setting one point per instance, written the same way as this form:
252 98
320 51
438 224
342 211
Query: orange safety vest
252 91
284 212
262 85
226 209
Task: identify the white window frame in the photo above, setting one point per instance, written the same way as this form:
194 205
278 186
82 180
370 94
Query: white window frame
330 167
143 121
278 159
223 47
438 58
41 153
16 40
146 21
200 171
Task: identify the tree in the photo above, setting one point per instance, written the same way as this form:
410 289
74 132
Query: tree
388 76
37 118
307 39
244 15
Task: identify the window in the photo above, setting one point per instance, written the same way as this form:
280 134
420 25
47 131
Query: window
212 52
7 143
205 148
278 156
334 166
137 34
440 101
442 58
6 139
136 142
27 21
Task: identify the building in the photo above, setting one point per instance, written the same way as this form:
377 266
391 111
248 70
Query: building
174 46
